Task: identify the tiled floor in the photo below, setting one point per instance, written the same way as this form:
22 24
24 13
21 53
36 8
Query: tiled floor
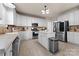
33 48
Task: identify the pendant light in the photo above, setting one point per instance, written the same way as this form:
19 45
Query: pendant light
45 10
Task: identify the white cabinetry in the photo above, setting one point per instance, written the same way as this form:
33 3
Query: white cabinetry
43 38
23 20
71 18
9 51
17 19
34 20
76 37
42 22
76 17
28 21
7 15
70 37
25 35
10 16
49 26
20 20
0 11
73 37
2 14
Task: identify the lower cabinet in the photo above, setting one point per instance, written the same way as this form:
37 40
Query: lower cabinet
8 51
25 35
70 37
73 37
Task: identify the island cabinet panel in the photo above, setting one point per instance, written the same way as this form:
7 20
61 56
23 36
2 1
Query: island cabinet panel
9 43
9 51
43 38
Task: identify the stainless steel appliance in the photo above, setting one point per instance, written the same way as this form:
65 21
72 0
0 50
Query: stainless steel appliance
61 29
34 30
53 45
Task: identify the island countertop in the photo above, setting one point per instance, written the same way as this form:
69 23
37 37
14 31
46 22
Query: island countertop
7 39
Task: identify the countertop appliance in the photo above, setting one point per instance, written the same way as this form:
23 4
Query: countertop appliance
61 29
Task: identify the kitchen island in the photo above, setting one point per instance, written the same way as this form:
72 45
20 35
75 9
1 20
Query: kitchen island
6 41
43 38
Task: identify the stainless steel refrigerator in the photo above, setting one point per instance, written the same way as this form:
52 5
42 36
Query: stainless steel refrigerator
61 29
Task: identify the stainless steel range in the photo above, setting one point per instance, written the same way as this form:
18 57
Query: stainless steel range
34 30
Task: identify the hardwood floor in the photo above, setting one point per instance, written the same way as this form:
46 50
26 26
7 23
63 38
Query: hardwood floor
33 48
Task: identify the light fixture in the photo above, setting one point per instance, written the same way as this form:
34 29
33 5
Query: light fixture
45 10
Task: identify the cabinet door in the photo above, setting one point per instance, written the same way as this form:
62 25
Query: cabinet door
28 21
9 51
28 35
18 20
71 18
49 27
0 11
34 20
23 20
76 38
15 17
70 37
76 15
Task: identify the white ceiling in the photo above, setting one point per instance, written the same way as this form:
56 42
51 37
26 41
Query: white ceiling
35 8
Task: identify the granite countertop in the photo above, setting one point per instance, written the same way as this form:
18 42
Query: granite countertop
7 39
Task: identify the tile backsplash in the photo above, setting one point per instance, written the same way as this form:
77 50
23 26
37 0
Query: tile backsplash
11 28
3 30
74 28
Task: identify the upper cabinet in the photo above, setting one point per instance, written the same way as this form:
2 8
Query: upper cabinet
24 20
0 12
10 15
76 17
7 14
71 16
62 17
